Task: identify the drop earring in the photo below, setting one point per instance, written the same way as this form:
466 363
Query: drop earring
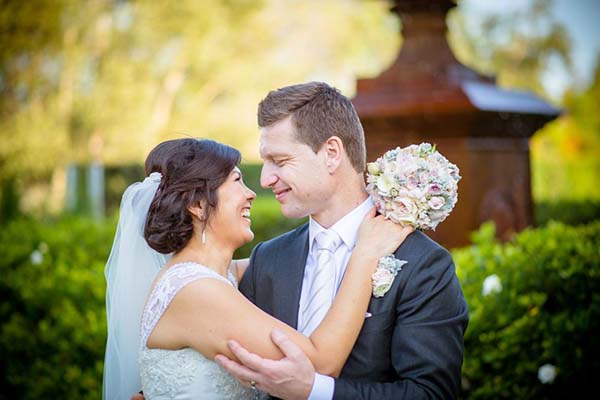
203 221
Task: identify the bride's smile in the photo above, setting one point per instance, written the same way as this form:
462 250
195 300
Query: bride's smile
231 220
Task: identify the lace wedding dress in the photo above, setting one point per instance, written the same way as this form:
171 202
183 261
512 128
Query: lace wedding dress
185 373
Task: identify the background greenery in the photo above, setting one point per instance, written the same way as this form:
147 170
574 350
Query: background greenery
546 312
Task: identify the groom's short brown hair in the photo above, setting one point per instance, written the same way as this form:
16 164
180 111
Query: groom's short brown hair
318 111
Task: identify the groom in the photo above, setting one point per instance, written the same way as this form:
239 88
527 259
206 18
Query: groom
411 343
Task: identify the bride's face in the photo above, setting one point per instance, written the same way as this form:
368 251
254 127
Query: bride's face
231 219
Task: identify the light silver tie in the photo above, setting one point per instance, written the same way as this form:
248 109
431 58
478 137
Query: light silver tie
322 288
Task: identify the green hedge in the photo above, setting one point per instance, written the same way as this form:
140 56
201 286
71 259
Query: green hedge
567 212
53 323
546 310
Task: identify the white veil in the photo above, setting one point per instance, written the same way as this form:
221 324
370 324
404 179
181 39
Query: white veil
130 270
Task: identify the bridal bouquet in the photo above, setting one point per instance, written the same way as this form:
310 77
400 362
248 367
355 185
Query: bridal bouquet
414 185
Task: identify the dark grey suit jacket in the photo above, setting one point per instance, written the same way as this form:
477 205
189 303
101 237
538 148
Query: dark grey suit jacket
412 345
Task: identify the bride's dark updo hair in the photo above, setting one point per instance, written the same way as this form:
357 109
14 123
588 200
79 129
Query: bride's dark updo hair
192 171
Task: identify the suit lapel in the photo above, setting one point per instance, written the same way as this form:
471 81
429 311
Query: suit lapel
288 275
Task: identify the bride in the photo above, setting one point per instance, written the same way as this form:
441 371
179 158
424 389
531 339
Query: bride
171 273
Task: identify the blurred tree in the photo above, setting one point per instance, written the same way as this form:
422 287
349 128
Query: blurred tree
566 152
515 47
29 35
106 81
521 49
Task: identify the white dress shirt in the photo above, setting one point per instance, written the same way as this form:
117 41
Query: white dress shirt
347 229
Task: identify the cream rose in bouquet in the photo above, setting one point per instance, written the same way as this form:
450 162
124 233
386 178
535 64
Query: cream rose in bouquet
414 185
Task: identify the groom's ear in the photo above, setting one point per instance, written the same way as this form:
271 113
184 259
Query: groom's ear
334 151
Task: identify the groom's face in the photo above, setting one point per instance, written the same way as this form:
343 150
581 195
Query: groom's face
297 176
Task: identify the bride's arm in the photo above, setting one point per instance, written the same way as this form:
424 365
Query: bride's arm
212 312
238 267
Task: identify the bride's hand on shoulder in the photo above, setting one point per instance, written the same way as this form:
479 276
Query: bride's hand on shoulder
379 237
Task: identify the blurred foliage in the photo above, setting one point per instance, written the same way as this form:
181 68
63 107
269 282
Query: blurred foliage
53 323
521 48
566 152
567 212
117 179
515 47
108 80
543 309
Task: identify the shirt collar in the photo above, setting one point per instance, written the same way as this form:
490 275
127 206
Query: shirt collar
346 227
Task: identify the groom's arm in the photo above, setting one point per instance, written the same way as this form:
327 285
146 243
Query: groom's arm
427 343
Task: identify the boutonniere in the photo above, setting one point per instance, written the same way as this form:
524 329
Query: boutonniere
387 269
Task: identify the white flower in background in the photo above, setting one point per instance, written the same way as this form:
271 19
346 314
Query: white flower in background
491 284
36 257
547 373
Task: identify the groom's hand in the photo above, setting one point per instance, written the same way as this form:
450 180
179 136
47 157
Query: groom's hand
291 377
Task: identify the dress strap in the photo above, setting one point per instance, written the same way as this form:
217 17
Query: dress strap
173 280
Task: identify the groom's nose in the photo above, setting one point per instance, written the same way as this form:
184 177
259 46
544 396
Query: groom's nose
268 177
